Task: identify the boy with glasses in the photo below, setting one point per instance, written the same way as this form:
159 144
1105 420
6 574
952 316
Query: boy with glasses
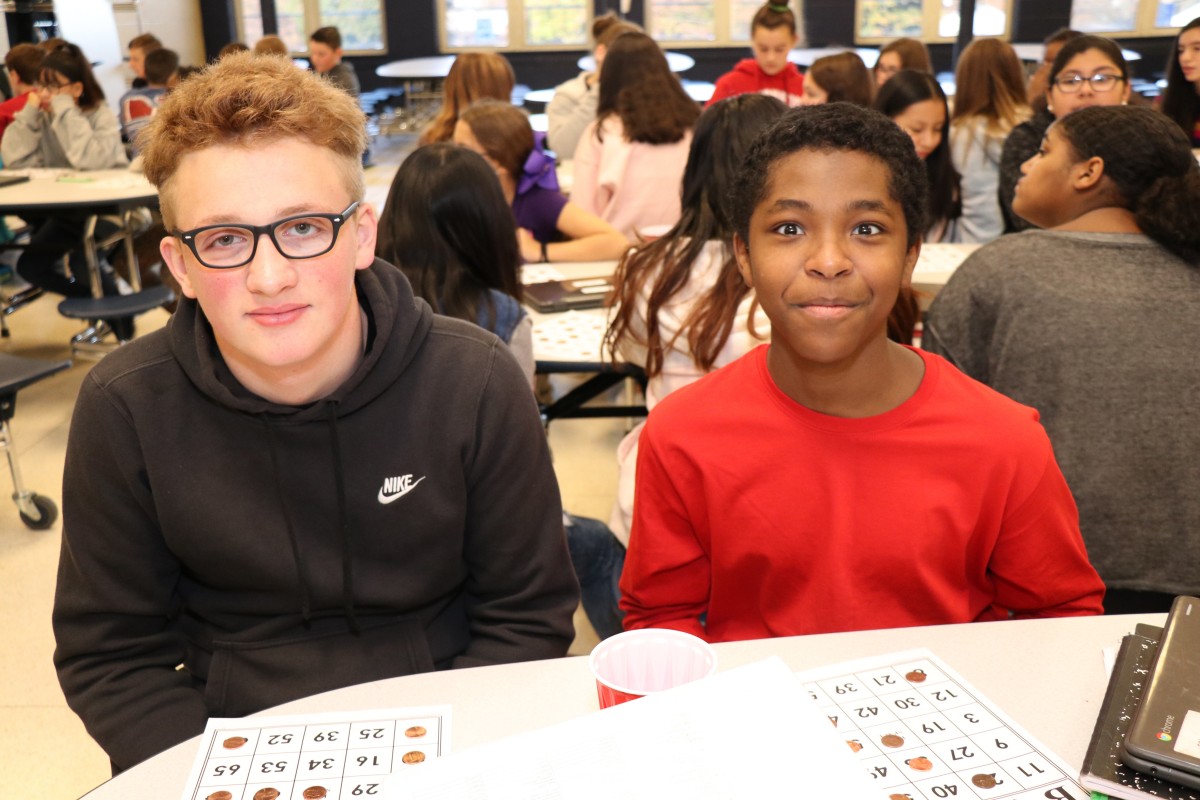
307 480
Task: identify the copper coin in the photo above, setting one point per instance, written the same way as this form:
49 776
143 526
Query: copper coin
221 795
270 793
413 757
234 742
916 676
891 740
899 797
984 780
855 744
415 732
920 763
314 793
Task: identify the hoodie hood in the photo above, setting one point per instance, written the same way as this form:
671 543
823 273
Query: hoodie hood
398 324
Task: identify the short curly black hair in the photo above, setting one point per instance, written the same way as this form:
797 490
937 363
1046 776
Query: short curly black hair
1149 160
835 127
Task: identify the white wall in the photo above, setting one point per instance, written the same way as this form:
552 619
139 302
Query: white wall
103 29
175 22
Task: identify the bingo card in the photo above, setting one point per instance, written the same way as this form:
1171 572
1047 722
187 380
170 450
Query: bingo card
924 733
335 756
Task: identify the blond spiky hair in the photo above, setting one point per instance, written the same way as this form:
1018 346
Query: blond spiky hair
248 100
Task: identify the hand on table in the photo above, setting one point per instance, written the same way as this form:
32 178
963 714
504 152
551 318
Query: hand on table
531 248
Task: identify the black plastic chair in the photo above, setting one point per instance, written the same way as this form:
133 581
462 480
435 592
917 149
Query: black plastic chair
37 511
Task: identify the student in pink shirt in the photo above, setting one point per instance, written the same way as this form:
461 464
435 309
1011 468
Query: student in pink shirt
630 160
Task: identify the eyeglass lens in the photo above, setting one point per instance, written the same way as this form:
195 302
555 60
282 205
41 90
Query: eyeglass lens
233 245
1101 82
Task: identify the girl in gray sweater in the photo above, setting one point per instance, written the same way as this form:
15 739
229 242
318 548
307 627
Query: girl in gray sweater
1095 323
66 124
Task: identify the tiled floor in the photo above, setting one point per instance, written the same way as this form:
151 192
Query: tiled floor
44 750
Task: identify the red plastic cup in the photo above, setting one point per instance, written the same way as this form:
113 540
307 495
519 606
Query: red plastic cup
634 664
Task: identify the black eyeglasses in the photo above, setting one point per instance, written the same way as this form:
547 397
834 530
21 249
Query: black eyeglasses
1101 82
229 246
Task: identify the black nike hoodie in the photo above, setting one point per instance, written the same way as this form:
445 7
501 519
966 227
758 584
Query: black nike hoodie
408 521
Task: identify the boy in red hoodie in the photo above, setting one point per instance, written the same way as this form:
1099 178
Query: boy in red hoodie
772 36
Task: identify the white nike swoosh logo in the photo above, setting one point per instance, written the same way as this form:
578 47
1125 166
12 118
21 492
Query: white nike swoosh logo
391 498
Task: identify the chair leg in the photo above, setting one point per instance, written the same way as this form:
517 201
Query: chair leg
35 510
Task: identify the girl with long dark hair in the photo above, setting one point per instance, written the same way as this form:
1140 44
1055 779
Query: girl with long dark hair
630 159
1181 100
448 228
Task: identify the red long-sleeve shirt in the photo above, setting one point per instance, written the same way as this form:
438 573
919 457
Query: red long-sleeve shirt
747 77
775 520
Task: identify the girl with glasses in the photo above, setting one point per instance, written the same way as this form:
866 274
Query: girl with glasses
66 124
1088 71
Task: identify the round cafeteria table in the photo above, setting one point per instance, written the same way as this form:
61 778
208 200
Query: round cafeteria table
1047 674
678 62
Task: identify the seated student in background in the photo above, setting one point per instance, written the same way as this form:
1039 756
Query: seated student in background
823 483
472 76
574 103
842 77
681 306
631 158
450 230
1038 88
1088 71
915 101
1181 98
66 124
1094 322
232 47
24 63
448 227
989 102
271 45
901 54
549 227
325 53
137 106
364 489
139 47
772 37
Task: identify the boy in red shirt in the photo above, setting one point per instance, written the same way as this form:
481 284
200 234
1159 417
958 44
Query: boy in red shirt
772 36
23 63
835 480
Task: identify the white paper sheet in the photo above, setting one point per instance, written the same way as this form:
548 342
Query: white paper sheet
750 732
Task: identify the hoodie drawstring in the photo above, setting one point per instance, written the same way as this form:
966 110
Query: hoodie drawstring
301 579
343 520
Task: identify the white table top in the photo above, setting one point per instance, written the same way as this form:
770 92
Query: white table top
539 95
417 68
577 335
678 62
1034 51
60 189
805 56
1046 674
700 91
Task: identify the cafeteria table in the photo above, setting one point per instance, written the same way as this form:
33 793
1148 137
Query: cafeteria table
570 342
677 62
94 193
805 56
1047 674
